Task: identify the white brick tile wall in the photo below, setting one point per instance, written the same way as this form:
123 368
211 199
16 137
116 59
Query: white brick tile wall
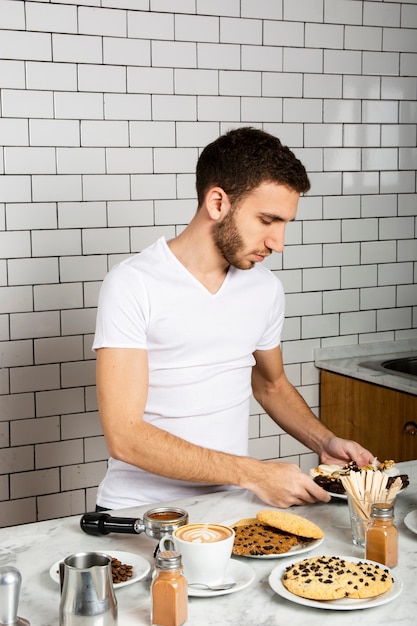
15 354
58 349
104 107
18 512
19 406
51 18
63 401
408 158
14 132
323 36
67 503
254 58
78 321
299 10
4 489
284 33
340 300
77 49
4 435
309 301
78 214
53 454
358 322
31 271
24 325
363 38
52 76
342 12
302 60
41 430
12 74
362 135
79 106
25 45
17 459
378 252
34 483
81 476
27 104
379 14
265 447
218 7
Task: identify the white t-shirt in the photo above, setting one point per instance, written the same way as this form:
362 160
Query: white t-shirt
200 351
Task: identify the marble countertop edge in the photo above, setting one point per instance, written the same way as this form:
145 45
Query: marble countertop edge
346 360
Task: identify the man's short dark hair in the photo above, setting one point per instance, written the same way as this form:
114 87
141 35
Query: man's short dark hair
242 159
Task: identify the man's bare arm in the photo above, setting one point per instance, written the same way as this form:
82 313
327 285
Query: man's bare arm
287 408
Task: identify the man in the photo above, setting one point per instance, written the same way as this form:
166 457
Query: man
188 329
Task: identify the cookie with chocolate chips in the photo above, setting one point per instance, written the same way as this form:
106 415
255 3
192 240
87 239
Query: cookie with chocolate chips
255 539
332 578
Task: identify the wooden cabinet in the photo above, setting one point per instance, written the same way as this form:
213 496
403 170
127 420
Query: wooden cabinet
374 416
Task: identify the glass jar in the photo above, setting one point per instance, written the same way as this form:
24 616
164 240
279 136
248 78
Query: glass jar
169 591
382 535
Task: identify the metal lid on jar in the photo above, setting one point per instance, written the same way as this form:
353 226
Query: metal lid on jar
382 510
168 560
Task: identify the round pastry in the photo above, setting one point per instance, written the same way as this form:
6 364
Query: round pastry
290 523
332 578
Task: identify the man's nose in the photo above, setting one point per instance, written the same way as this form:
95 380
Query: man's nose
276 240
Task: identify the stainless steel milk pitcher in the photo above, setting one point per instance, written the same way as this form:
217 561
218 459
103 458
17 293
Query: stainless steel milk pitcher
87 594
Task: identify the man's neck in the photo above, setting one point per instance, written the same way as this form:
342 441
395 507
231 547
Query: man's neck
195 249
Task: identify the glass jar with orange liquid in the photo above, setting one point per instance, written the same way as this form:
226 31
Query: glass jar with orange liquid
169 591
382 535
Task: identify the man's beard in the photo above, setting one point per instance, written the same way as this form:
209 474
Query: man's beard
229 242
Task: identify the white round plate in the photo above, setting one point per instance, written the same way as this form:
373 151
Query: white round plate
237 572
393 471
300 548
344 604
343 496
410 520
340 496
141 567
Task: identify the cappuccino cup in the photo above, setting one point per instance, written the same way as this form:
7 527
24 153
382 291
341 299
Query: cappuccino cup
206 550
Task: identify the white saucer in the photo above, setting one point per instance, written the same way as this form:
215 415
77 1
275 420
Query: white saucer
141 567
240 573
410 520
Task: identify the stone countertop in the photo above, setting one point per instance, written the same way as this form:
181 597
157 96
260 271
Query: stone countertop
346 360
33 548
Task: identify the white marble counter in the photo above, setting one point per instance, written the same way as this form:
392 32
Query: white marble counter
346 360
33 548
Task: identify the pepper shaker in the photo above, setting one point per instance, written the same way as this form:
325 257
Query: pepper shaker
10 582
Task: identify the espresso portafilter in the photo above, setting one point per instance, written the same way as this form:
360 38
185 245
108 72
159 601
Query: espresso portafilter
156 523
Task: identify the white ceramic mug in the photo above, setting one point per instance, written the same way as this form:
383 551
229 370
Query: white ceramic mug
206 550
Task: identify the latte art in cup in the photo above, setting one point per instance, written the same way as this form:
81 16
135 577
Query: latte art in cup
206 550
203 533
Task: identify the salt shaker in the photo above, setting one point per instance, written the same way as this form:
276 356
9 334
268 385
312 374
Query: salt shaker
10 582
169 591
382 535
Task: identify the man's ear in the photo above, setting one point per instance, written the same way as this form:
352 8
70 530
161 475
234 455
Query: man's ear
217 203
